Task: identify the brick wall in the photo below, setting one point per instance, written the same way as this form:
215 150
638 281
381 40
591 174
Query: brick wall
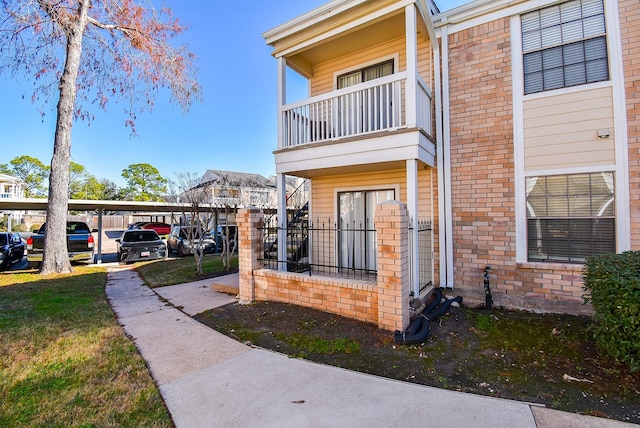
629 24
482 177
349 298
384 301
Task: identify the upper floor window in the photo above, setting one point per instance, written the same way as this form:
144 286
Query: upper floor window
564 45
365 74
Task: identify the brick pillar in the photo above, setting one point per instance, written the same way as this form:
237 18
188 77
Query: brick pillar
392 222
249 221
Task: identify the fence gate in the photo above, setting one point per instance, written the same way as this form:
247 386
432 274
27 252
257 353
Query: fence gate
425 253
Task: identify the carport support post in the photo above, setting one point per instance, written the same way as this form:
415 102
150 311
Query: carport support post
100 212
250 222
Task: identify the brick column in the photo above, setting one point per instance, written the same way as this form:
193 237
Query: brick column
392 222
249 220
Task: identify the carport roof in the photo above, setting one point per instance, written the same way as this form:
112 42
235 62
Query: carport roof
87 205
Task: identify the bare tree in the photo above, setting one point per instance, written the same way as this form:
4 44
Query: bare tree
191 192
228 191
82 52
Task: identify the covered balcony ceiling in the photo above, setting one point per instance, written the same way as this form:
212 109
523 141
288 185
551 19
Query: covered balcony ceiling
368 35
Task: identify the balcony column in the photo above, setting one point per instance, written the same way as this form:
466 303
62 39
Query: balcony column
412 207
281 185
412 65
282 98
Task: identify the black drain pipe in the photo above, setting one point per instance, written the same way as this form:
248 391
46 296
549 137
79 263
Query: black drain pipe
488 300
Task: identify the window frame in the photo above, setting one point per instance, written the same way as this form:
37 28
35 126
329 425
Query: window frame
363 69
367 260
570 217
562 65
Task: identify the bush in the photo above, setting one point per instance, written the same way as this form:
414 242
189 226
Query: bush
612 286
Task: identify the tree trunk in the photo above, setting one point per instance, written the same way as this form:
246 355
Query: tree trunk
56 258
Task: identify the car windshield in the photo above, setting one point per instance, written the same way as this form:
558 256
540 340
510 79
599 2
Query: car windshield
4 239
184 233
140 236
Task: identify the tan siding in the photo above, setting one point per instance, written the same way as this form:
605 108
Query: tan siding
326 26
562 131
323 80
425 68
425 195
323 203
324 190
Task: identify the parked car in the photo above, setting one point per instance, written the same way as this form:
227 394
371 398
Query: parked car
80 243
178 241
140 244
136 225
162 229
221 235
11 249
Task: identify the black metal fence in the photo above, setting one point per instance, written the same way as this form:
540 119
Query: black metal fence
342 249
425 252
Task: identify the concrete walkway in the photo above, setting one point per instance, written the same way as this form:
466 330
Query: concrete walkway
210 380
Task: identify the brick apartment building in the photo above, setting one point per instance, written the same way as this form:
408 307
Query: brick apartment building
507 131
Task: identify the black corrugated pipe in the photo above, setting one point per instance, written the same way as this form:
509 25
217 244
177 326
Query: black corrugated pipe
420 327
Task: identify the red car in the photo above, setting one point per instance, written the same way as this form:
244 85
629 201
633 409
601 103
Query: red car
161 229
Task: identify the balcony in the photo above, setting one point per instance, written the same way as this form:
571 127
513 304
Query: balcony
376 106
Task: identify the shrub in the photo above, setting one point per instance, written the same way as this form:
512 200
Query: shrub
612 286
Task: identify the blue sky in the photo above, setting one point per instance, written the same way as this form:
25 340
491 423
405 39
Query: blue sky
234 128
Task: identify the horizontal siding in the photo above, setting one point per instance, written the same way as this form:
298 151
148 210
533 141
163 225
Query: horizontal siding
425 60
325 26
425 194
323 74
562 131
324 190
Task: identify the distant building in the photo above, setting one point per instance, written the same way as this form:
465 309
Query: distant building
12 188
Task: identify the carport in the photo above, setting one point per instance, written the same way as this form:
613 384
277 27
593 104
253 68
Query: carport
100 207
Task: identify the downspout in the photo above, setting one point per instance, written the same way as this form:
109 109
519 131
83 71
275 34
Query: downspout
442 158
442 220
446 154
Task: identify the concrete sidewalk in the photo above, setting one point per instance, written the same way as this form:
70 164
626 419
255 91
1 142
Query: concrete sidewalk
210 380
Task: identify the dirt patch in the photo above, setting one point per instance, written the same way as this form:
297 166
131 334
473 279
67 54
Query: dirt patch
548 359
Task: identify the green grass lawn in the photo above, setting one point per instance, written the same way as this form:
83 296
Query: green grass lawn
65 361
182 270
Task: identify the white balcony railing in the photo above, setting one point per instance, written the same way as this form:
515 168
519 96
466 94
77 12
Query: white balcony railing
357 110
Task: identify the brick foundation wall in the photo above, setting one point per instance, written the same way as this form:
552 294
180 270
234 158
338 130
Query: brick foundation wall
349 298
384 302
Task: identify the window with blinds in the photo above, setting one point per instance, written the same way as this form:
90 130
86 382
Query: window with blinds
564 45
570 217
365 74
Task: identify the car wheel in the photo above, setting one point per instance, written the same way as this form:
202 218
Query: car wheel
180 251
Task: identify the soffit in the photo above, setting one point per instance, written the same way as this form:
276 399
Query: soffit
304 44
356 40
